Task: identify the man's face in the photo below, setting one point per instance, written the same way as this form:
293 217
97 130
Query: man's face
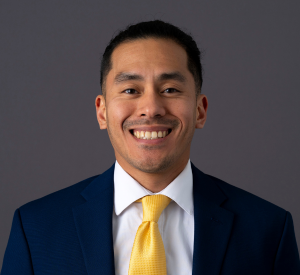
150 110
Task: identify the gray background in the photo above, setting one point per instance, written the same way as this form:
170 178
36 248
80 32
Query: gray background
49 79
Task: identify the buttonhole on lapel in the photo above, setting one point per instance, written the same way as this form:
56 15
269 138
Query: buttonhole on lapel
215 220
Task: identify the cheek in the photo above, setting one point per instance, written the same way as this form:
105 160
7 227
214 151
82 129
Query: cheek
118 112
185 111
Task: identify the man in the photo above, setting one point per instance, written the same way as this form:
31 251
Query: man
153 211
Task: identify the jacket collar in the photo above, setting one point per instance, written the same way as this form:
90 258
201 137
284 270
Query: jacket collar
93 221
213 224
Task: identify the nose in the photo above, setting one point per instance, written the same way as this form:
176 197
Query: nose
151 104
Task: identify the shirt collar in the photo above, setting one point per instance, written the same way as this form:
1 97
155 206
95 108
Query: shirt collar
127 190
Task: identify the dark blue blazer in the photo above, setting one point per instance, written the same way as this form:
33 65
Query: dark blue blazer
70 232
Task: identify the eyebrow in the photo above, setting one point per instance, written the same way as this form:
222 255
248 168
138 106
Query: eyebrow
172 76
123 77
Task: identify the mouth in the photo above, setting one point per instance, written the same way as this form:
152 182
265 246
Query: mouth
149 135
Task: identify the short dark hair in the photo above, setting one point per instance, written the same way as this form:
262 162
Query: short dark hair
155 29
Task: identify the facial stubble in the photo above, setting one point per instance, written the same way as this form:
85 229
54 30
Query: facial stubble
149 164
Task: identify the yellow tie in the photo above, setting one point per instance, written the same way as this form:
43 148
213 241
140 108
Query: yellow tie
148 252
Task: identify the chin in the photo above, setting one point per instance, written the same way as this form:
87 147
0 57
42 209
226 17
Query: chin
151 165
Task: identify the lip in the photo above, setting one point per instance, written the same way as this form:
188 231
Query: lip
150 141
150 129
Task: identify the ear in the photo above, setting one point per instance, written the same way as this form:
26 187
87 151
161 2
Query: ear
101 111
201 111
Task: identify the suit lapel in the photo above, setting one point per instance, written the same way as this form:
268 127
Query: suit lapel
93 221
213 225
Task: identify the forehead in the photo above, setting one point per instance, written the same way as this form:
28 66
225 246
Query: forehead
151 55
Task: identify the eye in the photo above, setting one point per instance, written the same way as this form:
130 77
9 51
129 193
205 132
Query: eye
130 91
171 90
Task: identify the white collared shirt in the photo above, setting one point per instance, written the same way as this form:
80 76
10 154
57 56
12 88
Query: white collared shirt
176 222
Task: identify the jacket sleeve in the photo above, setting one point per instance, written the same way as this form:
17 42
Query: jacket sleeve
17 259
287 259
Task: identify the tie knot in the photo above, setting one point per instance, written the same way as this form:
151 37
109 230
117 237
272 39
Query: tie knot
153 206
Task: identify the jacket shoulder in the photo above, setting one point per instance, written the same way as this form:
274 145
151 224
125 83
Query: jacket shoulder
243 202
65 198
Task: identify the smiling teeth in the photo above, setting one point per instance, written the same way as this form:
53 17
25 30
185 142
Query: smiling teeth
150 135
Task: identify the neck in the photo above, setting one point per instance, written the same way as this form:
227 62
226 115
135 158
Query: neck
154 182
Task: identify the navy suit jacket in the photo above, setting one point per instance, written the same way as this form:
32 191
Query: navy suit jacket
70 232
